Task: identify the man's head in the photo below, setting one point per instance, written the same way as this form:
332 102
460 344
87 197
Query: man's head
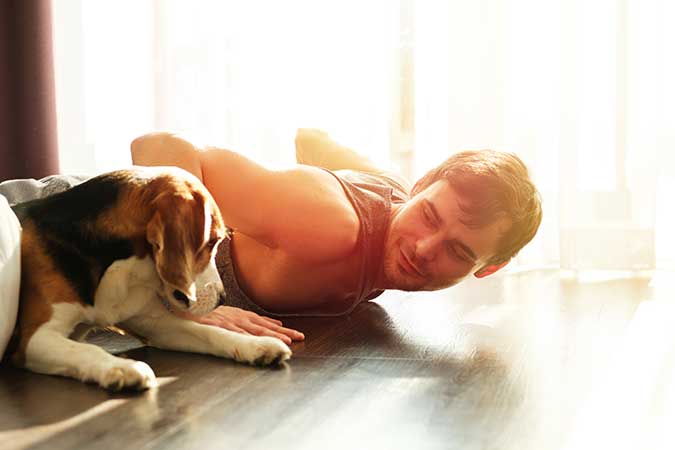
471 214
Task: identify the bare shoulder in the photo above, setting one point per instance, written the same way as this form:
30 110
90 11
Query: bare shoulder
323 221
302 211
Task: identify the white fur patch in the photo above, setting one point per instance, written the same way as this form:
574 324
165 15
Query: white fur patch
124 290
209 289
50 351
207 223
129 295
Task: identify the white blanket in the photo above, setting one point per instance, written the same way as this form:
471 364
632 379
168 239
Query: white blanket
13 192
10 271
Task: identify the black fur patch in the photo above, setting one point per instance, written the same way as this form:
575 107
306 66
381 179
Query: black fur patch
63 222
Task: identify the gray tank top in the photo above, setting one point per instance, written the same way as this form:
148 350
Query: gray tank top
372 196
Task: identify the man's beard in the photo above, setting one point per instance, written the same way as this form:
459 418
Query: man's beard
395 277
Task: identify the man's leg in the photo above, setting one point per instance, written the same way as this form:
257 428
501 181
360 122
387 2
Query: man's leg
316 148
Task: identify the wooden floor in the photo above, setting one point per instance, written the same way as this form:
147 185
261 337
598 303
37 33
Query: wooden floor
523 361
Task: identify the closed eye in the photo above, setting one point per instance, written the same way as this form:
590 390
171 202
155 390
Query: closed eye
456 253
456 250
428 216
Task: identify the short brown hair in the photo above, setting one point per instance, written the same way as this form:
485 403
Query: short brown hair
491 185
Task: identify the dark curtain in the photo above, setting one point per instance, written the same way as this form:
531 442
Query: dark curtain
28 141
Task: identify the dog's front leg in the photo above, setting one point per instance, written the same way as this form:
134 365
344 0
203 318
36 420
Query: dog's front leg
50 351
164 330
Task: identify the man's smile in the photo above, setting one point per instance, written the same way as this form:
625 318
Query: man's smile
408 267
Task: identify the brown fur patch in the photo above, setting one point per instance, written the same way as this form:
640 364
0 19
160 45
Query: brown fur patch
41 286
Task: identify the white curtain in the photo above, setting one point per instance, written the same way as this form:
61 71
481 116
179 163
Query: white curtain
581 90
245 74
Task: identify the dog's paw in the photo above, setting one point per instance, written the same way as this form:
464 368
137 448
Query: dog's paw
262 351
128 374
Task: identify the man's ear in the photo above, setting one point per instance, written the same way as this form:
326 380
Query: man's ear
489 269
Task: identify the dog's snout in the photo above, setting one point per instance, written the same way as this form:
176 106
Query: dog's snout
181 297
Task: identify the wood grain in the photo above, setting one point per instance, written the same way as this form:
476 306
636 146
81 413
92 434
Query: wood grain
522 361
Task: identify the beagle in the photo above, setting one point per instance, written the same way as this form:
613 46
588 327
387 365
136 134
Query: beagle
128 248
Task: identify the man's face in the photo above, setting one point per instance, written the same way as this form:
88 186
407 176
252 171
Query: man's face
427 246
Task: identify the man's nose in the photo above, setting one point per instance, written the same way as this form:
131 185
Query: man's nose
427 247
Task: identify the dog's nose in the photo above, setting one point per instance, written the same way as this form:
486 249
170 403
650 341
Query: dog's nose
221 299
181 297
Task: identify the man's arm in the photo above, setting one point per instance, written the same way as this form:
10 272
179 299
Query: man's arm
302 210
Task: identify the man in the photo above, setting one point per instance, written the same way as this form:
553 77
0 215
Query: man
312 241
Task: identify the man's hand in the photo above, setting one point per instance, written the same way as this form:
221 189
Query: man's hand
247 322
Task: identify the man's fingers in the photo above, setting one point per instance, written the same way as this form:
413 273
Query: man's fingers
293 334
239 330
226 325
268 320
247 322
262 331
276 325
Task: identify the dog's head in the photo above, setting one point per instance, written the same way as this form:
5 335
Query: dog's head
185 230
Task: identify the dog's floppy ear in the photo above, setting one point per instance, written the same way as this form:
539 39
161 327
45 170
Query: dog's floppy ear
170 232
155 232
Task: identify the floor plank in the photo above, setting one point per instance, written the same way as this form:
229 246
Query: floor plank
523 361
